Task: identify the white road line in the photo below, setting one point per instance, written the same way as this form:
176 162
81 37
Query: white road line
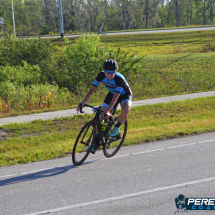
106 159
123 197
171 147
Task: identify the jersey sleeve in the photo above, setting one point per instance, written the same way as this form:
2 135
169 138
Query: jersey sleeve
98 79
119 85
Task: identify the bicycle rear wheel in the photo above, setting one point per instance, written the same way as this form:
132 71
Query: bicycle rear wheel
112 145
83 143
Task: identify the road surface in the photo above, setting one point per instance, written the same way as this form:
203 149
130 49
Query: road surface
143 179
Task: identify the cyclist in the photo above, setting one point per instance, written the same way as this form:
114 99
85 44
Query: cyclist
119 92
100 26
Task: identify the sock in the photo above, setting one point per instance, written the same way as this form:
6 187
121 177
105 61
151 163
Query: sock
118 124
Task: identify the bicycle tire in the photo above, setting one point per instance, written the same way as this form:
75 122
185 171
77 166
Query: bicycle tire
111 148
80 152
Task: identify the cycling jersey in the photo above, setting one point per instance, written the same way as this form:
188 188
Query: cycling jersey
117 84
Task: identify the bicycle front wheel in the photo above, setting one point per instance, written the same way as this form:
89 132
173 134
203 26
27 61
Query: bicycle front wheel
83 143
113 144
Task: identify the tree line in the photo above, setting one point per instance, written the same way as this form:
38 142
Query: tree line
34 17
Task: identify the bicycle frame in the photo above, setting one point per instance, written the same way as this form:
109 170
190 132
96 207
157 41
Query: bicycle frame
97 122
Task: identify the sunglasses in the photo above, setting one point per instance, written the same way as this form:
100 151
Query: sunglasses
110 71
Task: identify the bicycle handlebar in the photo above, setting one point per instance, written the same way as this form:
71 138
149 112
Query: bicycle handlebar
86 105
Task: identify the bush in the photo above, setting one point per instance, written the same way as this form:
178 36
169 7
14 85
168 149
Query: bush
45 30
33 51
82 61
25 74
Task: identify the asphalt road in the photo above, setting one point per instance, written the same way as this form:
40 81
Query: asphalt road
141 32
142 179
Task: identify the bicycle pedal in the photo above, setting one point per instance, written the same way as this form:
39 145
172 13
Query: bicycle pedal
118 136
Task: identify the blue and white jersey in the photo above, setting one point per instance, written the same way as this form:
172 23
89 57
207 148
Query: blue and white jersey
117 84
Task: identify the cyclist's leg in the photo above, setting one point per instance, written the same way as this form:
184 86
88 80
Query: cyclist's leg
125 108
105 105
126 104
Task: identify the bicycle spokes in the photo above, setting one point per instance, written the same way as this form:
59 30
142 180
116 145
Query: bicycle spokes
83 143
113 144
85 139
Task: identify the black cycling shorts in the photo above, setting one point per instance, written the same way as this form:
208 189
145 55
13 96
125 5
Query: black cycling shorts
121 99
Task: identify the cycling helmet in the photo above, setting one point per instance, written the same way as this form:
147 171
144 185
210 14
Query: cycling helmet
110 65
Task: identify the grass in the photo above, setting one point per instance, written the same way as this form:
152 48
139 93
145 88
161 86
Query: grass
42 140
166 75
161 43
156 43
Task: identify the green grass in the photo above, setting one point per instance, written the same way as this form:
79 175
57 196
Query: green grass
156 43
42 140
161 43
166 75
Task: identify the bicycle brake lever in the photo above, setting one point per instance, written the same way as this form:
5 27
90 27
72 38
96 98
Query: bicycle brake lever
81 109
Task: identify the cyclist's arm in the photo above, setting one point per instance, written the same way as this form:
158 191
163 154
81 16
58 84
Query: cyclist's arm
89 94
87 97
98 79
113 102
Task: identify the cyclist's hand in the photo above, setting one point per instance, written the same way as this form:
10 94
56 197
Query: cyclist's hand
108 115
79 105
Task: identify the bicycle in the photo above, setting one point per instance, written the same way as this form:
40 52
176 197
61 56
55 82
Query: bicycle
103 32
86 137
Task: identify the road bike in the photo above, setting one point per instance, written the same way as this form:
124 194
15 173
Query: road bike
103 32
86 137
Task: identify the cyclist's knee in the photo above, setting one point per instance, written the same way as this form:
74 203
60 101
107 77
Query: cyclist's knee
126 107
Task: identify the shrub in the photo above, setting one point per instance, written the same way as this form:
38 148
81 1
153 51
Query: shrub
83 60
45 30
33 51
24 74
